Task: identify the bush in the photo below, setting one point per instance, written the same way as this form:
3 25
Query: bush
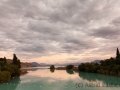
5 76
7 71
69 66
52 67
13 69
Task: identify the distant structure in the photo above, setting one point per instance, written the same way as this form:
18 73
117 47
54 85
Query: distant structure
117 54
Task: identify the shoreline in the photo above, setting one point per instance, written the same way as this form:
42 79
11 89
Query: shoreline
64 68
23 72
76 70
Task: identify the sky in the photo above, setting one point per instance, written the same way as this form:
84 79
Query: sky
59 31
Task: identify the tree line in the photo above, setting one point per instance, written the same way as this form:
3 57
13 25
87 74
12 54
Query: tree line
109 66
9 70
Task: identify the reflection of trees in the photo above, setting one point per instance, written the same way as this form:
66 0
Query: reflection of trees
69 71
52 70
11 85
34 69
95 77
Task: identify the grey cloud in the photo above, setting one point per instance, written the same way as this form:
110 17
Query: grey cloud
50 26
116 21
43 27
81 13
77 45
106 32
6 44
33 49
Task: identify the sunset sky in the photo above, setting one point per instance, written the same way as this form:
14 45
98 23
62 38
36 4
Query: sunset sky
59 31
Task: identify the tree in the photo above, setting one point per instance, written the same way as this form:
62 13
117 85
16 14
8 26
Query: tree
52 67
16 61
9 70
5 61
109 66
69 66
19 64
117 54
13 69
4 76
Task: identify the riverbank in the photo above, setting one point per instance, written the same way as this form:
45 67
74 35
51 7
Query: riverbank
23 72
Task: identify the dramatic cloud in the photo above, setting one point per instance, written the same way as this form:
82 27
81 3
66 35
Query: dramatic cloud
55 30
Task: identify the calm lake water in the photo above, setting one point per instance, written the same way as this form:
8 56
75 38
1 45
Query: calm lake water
44 79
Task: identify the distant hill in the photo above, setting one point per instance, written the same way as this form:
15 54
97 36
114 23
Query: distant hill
96 61
35 63
9 61
26 64
23 64
75 64
44 64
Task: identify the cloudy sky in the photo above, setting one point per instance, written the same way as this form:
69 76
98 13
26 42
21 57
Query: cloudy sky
59 31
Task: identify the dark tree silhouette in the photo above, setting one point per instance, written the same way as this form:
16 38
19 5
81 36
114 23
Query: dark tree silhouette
52 67
16 61
9 70
5 60
117 54
108 66
69 66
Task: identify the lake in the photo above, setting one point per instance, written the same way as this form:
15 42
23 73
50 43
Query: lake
45 79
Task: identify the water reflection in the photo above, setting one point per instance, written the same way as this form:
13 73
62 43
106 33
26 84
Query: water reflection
35 68
12 85
69 71
43 79
52 70
66 75
99 77
58 74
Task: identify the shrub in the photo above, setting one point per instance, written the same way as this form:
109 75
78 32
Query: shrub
52 67
13 69
119 73
5 76
69 66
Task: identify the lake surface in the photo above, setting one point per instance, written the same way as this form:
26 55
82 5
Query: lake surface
45 79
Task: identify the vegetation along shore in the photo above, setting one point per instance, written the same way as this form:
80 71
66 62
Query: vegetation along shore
10 70
108 66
